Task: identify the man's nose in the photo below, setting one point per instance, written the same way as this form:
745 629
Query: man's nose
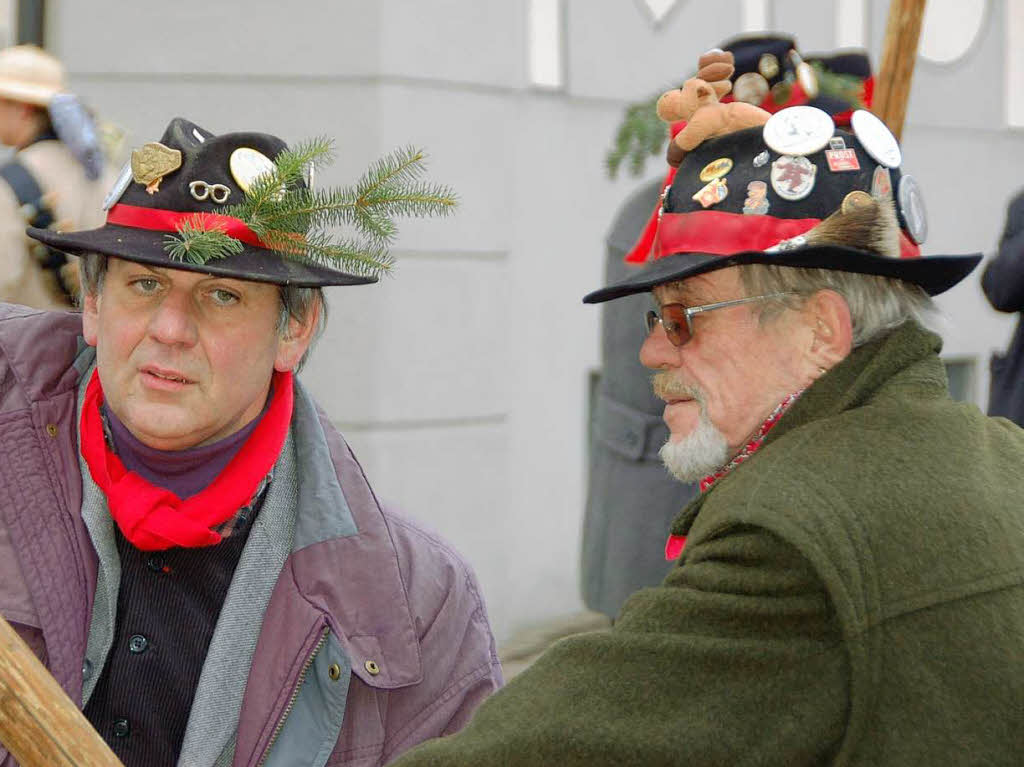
173 321
657 351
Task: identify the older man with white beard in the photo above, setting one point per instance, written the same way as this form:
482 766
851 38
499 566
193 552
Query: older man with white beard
849 584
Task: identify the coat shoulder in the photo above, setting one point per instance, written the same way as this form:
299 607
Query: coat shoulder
36 352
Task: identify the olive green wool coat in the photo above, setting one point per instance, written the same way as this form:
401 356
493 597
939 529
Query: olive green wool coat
853 595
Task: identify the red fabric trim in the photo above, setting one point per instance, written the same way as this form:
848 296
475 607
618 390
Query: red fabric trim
722 234
160 220
153 518
642 249
674 547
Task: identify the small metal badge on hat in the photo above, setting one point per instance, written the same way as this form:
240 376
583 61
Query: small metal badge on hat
750 87
124 178
712 193
768 65
839 157
151 162
798 130
876 138
756 203
881 183
793 177
716 169
247 165
912 207
761 159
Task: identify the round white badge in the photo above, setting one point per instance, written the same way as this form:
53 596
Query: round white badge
876 138
798 130
247 165
912 208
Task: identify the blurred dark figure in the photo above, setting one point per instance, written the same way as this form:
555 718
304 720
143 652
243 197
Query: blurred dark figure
1003 283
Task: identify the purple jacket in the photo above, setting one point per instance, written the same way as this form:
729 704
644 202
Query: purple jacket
375 637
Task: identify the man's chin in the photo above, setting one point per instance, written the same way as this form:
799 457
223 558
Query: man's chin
691 457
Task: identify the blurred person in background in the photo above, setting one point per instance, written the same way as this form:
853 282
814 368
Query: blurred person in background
1003 283
56 179
631 498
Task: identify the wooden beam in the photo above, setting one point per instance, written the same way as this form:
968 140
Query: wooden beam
39 724
899 54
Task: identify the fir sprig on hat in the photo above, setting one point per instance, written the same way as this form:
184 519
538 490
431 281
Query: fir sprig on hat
300 222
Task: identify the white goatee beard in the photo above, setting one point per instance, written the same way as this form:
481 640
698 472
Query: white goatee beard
701 452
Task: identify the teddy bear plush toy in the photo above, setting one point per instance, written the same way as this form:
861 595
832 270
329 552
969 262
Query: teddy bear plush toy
697 102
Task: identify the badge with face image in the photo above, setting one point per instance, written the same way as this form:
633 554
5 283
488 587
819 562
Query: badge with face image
756 203
793 177
798 130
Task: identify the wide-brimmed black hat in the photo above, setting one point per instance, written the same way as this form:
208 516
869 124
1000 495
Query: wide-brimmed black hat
192 171
737 200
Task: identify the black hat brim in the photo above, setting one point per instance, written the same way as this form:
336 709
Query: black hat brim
935 274
147 247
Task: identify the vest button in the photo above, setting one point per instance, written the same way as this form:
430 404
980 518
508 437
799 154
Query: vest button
155 563
138 644
121 728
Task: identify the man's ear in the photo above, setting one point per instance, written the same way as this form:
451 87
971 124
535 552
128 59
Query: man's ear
90 317
296 339
828 315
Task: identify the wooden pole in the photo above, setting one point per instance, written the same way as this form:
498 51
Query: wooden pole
899 53
39 724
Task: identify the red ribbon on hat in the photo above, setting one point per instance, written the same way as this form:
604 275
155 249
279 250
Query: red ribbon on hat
161 220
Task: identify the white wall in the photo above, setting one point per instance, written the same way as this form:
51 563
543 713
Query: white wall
461 382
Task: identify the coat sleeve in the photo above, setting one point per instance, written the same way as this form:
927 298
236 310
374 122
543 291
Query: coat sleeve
460 663
736 659
1003 278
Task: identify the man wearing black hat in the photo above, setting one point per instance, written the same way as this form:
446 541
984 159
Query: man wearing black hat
185 539
622 550
849 585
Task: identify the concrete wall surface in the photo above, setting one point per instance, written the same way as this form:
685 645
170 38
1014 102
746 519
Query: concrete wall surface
462 382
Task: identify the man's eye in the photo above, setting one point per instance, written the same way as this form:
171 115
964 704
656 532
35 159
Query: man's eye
146 285
224 297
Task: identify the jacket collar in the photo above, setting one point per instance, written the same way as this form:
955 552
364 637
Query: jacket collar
907 355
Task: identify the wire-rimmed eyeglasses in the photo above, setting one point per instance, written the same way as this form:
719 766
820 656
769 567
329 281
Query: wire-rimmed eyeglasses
676 318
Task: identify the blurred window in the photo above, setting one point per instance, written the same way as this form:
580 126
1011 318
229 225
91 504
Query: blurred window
546 43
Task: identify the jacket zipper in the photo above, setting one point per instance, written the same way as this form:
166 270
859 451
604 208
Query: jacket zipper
295 695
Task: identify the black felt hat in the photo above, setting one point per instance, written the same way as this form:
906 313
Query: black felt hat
848 212
192 171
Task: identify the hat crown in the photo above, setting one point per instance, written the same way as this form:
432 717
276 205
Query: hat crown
28 73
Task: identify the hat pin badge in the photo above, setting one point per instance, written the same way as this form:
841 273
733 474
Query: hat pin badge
151 162
247 165
876 138
798 130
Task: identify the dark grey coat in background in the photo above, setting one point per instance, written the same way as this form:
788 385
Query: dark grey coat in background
1003 283
631 498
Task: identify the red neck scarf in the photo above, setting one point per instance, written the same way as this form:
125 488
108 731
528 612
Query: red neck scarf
153 518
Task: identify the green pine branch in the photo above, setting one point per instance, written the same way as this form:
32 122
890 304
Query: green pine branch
642 134
196 244
295 221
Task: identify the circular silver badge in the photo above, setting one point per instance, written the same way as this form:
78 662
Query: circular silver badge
798 130
876 138
124 178
912 208
751 88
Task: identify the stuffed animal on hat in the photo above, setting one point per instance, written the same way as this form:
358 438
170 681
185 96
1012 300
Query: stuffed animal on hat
697 102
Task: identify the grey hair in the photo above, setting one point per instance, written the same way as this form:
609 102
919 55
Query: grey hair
296 303
877 304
